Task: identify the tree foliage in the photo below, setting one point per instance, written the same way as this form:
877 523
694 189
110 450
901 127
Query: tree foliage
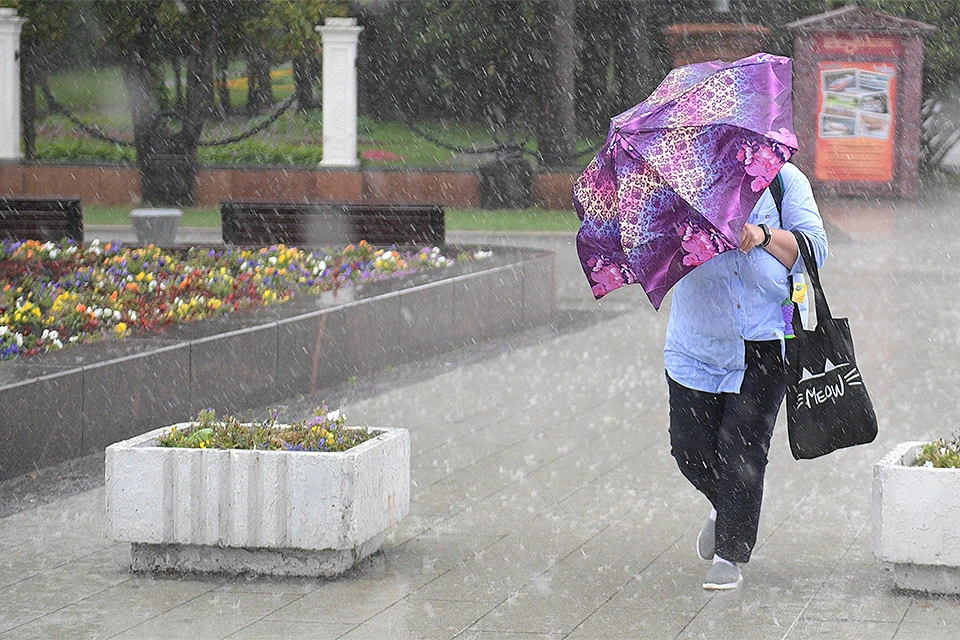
941 58
288 27
471 58
475 60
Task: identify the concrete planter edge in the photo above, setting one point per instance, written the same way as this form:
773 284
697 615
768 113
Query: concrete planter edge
264 512
916 521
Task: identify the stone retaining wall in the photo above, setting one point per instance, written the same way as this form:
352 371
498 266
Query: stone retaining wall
77 401
120 184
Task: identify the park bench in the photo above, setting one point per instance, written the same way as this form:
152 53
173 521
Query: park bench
41 218
317 224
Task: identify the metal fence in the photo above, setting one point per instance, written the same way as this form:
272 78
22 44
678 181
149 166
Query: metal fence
940 125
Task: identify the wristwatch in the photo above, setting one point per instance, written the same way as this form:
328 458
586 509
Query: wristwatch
767 236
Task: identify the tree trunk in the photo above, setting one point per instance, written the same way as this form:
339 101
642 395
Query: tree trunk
596 85
200 103
259 90
177 65
557 128
303 82
28 102
316 72
632 57
137 80
224 86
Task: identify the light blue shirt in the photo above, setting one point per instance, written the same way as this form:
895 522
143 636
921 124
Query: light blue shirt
737 296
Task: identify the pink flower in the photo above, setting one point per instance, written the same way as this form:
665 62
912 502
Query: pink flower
698 244
762 162
784 136
607 278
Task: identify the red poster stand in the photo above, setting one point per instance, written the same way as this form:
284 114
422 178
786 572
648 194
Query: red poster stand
857 96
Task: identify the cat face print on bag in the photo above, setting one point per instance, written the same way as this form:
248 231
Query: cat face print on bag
816 389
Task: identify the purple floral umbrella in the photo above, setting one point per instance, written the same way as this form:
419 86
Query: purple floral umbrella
681 171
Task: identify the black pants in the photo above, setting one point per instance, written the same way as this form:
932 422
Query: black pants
720 442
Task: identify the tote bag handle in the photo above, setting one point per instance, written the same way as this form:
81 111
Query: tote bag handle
806 252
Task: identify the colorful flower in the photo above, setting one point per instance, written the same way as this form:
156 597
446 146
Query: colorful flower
57 294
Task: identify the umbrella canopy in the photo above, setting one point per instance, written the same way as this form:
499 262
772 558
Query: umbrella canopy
680 173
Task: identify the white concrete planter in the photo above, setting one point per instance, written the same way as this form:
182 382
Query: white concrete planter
916 521
238 511
156 226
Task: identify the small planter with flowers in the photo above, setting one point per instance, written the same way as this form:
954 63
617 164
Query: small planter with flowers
311 498
916 515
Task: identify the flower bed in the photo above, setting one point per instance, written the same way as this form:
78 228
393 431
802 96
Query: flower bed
80 400
56 294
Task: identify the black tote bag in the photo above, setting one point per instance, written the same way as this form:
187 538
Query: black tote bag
827 403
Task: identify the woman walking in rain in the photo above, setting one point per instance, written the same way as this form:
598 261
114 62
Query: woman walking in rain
679 196
725 373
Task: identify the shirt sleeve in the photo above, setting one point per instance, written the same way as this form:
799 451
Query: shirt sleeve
800 213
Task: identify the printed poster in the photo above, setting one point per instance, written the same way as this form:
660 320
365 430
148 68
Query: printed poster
855 122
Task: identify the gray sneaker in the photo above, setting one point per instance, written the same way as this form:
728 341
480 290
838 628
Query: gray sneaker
707 540
723 576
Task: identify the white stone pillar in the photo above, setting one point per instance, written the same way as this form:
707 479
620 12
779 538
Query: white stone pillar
10 26
339 36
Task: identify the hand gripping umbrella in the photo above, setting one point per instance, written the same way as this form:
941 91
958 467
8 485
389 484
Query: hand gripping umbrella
680 173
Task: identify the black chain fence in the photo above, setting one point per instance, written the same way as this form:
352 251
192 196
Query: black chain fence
97 133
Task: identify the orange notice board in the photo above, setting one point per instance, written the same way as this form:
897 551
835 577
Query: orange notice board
855 121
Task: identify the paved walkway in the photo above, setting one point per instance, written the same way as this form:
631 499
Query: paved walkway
545 502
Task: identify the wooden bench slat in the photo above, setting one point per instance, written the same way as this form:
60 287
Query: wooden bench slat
44 218
321 223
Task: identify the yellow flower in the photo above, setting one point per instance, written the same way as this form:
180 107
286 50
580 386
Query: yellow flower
121 328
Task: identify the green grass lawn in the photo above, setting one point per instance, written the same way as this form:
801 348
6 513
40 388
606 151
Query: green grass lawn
511 220
456 219
192 216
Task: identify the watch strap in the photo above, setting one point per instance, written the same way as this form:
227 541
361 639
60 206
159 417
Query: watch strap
767 236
